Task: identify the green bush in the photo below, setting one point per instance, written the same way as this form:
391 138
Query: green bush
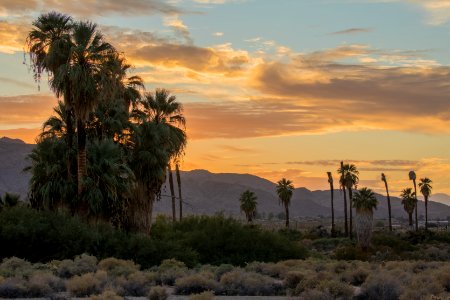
118 267
214 240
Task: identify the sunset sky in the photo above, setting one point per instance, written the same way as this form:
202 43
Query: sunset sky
275 88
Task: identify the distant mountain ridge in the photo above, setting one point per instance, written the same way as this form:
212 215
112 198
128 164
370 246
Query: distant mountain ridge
208 193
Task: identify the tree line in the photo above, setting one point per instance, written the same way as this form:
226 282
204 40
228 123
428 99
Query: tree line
363 201
105 152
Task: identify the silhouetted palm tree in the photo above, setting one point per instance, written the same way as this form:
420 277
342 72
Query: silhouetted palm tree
342 185
49 46
248 205
425 189
409 201
412 176
364 202
351 180
330 181
180 198
86 74
172 192
285 189
383 178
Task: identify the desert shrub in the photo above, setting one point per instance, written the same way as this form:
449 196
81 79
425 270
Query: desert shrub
380 287
293 278
86 284
207 295
137 284
338 289
13 287
393 241
443 276
170 270
118 267
107 295
270 269
329 244
356 276
242 283
314 294
308 283
222 269
421 286
196 283
158 293
15 267
44 284
82 264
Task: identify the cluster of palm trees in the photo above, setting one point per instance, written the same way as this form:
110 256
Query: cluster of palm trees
118 139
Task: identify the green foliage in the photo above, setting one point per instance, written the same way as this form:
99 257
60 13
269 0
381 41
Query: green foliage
365 199
214 240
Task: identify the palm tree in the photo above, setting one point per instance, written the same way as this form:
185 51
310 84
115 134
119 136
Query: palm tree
412 176
156 141
49 45
85 74
163 108
425 189
172 192
383 178
330 181
364 202
342 185
285 189
248 204
351 180
409 201
177 168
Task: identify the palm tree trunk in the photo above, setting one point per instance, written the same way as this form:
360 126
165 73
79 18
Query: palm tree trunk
426 212
287 215
83 208
70 134
140 209
389 206
363 222
345 212
172 193
410 220
333 230
179 190
350 198
417 219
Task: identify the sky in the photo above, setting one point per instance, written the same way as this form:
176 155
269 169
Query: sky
275 88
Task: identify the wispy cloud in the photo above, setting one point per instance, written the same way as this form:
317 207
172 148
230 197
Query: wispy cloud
351 31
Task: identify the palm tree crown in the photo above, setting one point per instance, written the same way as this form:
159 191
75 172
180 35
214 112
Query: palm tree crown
248 204
425 186
365 199
285 190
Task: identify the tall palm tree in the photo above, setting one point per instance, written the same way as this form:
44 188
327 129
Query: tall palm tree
285 189
180 199
84 73
351 180
248 204
342 185
409 203
49 46
412 176
163 108
425 189
383 178
330 181
157 139
364 202
172 192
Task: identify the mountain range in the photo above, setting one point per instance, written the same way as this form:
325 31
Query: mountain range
208 193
